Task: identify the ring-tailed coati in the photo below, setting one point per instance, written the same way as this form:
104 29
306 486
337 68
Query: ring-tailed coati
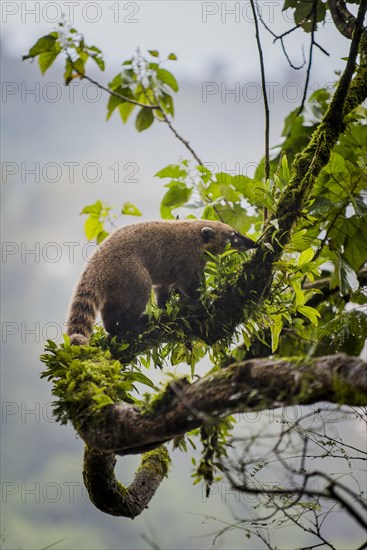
119 277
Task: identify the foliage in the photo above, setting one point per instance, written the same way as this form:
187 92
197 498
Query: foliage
142 82
87 378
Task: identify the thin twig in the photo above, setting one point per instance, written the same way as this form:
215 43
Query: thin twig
312 43
180 138
321 48
281 37
265 96
116 94
156 107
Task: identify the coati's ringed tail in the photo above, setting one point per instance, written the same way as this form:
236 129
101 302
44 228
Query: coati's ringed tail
82 313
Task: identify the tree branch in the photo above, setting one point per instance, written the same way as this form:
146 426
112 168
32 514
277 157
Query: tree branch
312 44
343 19
116 94
250 386
265 98
156 107
323 284
109 496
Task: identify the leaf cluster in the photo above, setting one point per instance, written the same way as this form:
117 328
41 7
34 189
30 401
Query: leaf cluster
99 213
142 82
65 40
87 378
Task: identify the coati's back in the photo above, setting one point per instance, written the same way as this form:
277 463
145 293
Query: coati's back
163 247
118 279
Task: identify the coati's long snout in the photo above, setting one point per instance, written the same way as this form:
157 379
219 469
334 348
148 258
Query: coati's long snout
240 242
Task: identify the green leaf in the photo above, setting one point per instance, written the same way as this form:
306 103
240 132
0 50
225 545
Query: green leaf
144 119
92 227
79 66
128 77
101 236
275 329
167 78
209 213
44 44
167 104
176 196
300 240
303 14
102 400
305 257
46 59
355 244
139 377
125 109
205 173
95 208
99 61
112 103
172 56
284 172
115 82
311 313
68 74
154 53
236 216
348 278
130 209
171 171
300 295
345 333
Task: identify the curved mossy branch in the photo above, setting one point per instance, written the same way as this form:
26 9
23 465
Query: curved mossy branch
253 385
109 495
343 19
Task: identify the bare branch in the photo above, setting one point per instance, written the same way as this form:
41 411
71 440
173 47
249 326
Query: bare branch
116 94
250 386
265 98
156 107
344 20
312 43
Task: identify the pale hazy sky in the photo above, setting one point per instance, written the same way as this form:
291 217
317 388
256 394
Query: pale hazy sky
202 33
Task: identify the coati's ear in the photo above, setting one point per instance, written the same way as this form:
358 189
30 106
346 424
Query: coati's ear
208 234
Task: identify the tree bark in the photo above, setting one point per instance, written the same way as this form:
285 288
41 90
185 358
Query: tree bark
253 385
249 386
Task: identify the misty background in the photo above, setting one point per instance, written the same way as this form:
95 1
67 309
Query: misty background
58 155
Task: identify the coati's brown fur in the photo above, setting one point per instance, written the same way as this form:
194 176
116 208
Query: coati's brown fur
119 277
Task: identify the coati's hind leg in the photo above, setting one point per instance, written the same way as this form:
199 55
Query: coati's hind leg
111 317
162 295
190 290
122 313
117 322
